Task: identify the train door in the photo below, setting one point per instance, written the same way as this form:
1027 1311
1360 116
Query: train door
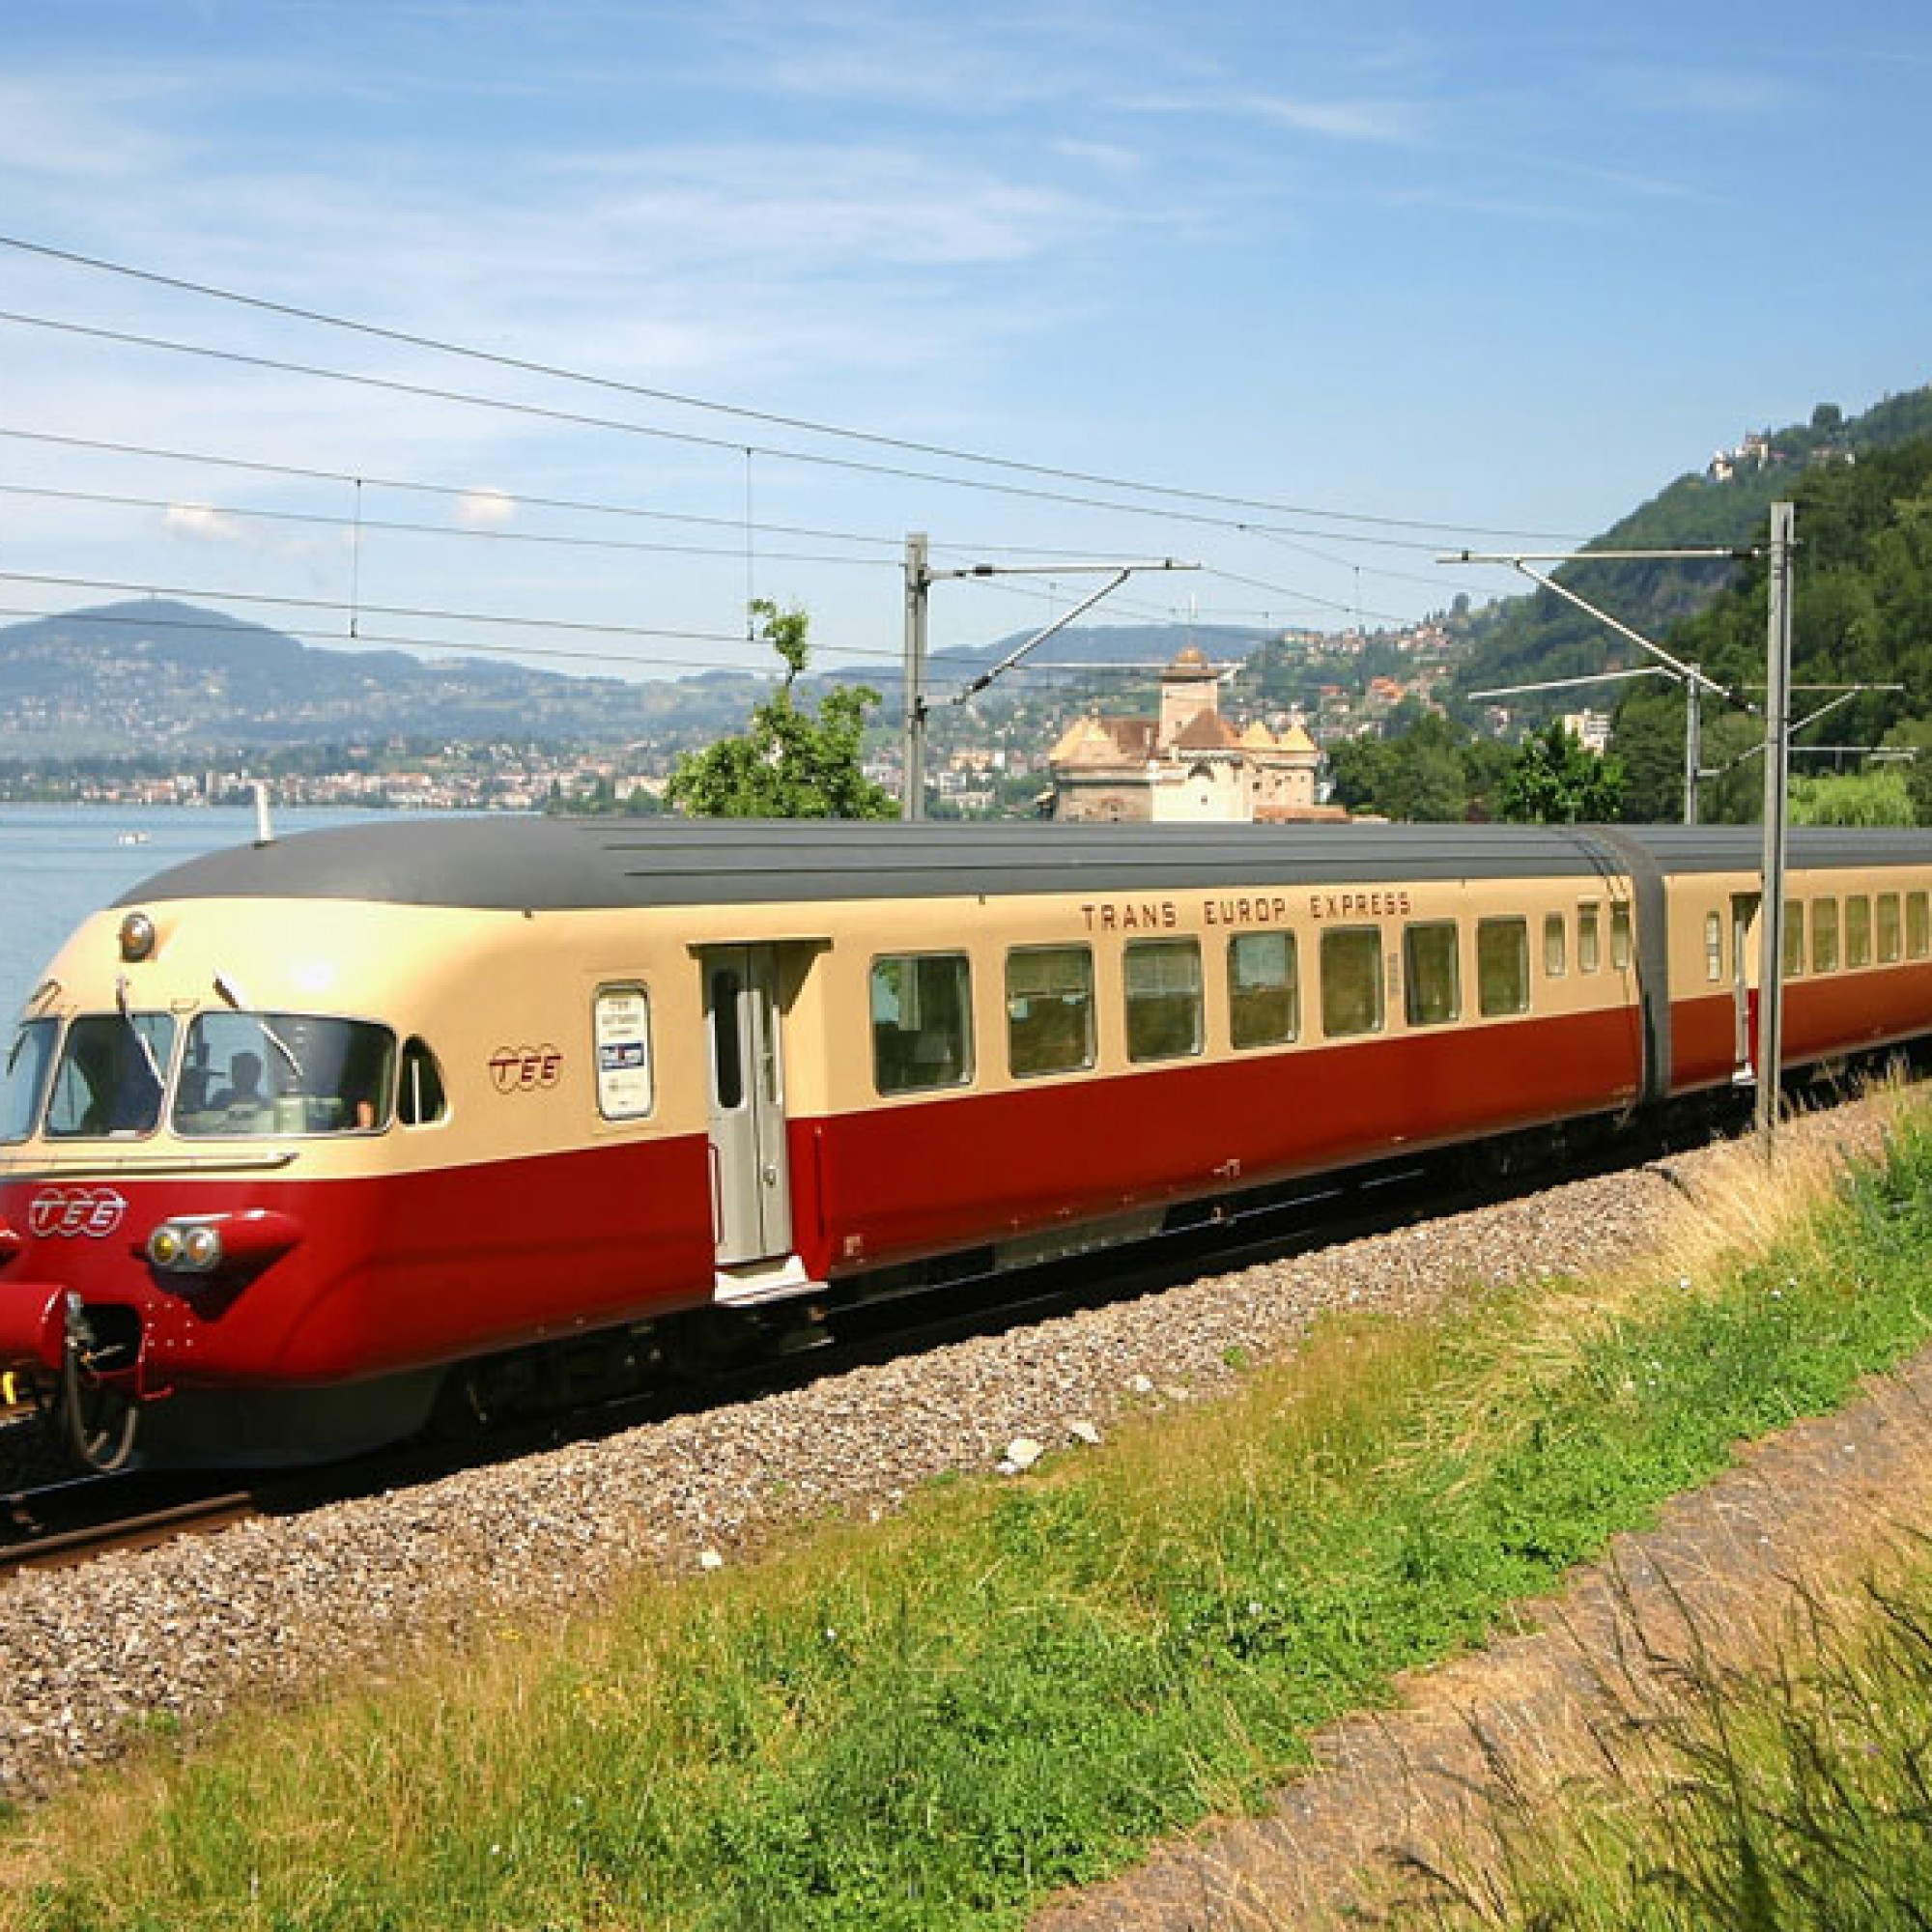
750 1189
1744 988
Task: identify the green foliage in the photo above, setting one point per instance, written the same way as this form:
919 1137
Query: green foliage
1553 781
787 763
1428 769
1648 737
1542 636
1861 615
1881 797
1861 607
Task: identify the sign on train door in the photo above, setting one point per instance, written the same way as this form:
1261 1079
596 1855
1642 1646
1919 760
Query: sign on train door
751 1191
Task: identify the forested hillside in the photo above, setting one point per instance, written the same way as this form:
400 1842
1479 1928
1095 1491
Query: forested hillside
1541 637
1861 615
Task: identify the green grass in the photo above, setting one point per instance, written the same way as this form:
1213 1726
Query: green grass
1795 1792
1018 1684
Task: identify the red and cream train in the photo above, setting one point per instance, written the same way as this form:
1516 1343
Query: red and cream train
299 1132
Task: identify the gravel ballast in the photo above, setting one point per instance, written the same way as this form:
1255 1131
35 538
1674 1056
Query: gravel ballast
346 1593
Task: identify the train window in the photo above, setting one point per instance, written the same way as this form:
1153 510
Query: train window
1589 946
621 1031
1264 989
727 1058
1824 936
1620 937
1794 938
1918 925
112 1075
1889 937
282 1073
422 1099
1502 966
1858 930
1163 986
25 1081
921 1022
1713 947
1049 1008
1352 980
1431 978
1556 946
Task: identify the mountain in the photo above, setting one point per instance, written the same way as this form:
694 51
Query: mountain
1861 616
1540 637
159 677
162 678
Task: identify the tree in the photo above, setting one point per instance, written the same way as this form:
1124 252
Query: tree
787 763
1649 739
1555 781
1428 769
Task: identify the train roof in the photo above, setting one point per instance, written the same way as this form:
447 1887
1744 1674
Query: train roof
505 862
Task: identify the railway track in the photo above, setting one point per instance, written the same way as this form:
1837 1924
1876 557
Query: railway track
57 1524
68 1522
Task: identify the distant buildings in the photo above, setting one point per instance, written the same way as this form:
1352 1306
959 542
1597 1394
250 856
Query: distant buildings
1755 452
1189 763
1590 729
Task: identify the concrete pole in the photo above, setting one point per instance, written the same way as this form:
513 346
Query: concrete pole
1693 742
1776 807
917 583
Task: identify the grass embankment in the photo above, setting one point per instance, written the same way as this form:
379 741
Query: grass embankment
1018 1684
1791 1790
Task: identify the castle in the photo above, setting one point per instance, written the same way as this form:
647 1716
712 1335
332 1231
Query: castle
1190 763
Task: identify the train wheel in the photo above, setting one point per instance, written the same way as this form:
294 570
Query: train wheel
99 1423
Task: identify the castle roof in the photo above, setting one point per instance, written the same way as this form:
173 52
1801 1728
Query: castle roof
1189 665
1105 741
1208 731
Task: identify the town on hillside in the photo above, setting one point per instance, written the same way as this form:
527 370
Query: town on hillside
1188 737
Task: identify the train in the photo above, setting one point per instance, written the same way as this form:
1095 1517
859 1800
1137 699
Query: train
309 1143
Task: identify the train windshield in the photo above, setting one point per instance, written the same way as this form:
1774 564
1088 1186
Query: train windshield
283 1073
112 1076
24 1082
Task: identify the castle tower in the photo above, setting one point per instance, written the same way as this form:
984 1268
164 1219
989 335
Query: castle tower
1188 687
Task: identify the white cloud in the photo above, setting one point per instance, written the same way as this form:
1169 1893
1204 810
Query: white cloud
486 509
200 524
1378 121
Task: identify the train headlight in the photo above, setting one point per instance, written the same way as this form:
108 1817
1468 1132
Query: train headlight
137 938
185 1248
201 1249
231 1246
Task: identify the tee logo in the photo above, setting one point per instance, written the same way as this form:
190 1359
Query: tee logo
93 1211
525 1069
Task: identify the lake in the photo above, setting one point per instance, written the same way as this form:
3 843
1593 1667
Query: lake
59 863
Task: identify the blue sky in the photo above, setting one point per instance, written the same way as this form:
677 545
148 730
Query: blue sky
1367 283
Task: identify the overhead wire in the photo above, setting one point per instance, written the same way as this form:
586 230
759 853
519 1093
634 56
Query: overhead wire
414 613
576 505
746 526
579 419
358 524
771 418
311 634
